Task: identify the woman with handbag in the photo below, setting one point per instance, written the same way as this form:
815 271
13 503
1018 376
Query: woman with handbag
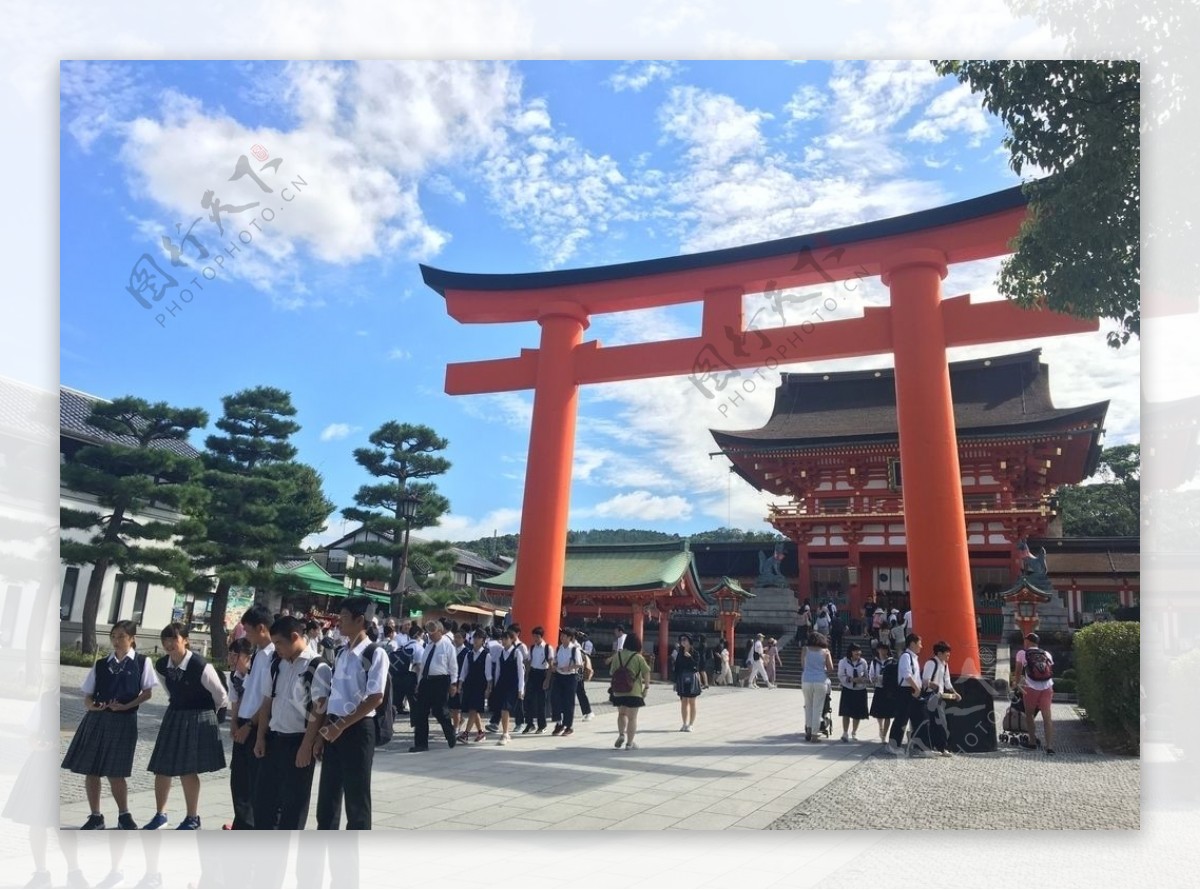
630 681
687 681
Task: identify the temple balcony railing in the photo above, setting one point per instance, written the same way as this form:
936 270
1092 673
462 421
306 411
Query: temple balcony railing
976 507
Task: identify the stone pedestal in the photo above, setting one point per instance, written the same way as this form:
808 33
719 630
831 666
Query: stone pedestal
1051 616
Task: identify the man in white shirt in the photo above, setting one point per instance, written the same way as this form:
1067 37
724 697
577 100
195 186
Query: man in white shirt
437 678
243 723
293 713
587 648
757 664
618 641
935 680
908 701
908 622
537 682
346 744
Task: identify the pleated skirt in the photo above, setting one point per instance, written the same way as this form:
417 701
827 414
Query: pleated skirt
104 744
853 704
188 742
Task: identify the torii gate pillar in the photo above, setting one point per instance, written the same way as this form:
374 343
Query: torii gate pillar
935 524
548 470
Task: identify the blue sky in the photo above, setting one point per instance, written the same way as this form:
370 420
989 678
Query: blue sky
491 167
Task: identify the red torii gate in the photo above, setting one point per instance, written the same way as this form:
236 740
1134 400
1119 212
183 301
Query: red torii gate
910 253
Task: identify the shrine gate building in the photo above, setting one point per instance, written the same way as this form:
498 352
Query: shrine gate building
830 451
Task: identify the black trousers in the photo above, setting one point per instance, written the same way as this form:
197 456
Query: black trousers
346 774
407 683
911 710
931 723
243 775
585 706
562 699
536 703
283 791
432 695
399 690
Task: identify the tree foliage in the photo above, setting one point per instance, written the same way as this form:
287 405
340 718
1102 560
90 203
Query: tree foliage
127 478
401 455
261 503
1110 507
1078 251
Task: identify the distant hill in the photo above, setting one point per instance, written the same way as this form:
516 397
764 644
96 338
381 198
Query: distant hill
506 545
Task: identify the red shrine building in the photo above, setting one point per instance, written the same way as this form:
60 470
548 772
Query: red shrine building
831 452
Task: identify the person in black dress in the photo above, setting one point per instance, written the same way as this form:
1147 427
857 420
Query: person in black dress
883 699
473 681
687 681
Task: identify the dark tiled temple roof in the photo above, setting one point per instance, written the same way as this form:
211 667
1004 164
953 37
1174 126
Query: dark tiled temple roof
74 407
1006 394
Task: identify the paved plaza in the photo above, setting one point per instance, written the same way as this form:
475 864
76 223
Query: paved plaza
744 766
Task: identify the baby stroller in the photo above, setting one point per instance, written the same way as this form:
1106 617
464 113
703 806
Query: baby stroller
827 717
1014 729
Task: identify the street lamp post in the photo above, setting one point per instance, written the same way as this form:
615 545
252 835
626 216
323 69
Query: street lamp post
408 506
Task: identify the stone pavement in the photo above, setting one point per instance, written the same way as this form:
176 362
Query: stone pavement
745 766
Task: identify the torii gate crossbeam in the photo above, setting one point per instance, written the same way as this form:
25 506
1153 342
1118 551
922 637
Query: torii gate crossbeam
910 253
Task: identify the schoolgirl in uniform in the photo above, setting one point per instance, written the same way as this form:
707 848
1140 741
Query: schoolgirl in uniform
454 703
473 681
105 742
883 699
507 686
687 681
188 742
240 652
852 703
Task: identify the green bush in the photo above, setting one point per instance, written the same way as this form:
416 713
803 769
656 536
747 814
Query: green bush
1108 661
77 659
1065 686
1069 674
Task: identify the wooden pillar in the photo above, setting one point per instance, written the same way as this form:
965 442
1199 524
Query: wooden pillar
664 640
934 519
541 553
730 619
638 622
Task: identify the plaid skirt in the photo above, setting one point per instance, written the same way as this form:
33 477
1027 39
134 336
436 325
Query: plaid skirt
103 744
187 743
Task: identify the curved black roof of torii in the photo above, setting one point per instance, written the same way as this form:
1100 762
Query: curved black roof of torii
441 280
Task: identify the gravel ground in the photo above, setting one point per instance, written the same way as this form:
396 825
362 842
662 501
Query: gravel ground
1009 789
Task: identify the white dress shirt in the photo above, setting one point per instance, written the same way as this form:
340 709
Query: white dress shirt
937 674
258 683
148 680
619 643
502 659
909 667
438 659
290 706
353 682
541 656
417 648
208 679
567 659
472 658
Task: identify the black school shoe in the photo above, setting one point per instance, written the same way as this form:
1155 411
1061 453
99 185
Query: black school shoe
94 823
125 822
415 750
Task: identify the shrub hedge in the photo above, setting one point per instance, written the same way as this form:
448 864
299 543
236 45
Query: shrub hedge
1108 663
76 658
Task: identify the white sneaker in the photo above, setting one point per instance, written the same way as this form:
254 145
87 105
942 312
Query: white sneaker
945 753
631 746
683 728
687 727
587 717
854 736
504 739
845 737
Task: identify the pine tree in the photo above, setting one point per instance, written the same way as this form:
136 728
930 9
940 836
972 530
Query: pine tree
261 503
143 469
402 453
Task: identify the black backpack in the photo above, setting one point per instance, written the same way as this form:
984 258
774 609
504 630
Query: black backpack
385 714
306 678
400 660
891 675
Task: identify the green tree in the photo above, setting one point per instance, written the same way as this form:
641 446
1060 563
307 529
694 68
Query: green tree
143 470
1109 507
402 454
1078 251
261 503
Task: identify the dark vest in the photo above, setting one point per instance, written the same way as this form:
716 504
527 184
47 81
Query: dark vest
124 685
186 693
508 669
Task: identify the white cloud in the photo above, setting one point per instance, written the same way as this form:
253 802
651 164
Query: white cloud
955 110
806 103
338 431
399 355
641 505
502 521
636 76
509 408
97 98
715 128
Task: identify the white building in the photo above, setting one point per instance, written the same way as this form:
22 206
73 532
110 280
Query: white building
151 606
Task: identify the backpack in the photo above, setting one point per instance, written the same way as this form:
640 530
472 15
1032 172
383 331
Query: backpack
385 714
891 674
588 673
400 660
1038 666
622 678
